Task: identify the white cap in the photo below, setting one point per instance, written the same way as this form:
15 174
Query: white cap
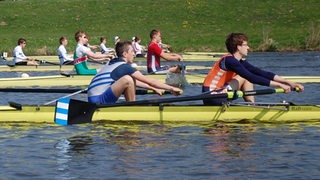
133 38
116 38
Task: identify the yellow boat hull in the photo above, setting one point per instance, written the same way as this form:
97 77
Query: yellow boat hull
84 80
174 114
70 68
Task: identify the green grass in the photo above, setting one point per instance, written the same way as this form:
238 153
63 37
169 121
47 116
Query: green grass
187 25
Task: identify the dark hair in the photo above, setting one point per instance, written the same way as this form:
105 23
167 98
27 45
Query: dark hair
102 38
121 47
233 40
136 38
78 35
154 32
62 38
21 40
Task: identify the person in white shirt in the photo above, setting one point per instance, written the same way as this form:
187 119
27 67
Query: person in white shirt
103 48
164 47
19 57
138 49
62 52
116 40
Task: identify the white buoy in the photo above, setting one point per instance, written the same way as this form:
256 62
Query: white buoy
24 75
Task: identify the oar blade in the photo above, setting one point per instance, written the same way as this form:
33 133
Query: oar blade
71 111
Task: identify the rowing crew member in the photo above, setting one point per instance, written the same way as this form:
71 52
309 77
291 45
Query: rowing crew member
231 72
119 77
82 53
103 48
62 52
155 53
19 57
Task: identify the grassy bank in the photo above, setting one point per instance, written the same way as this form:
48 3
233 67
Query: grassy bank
187 25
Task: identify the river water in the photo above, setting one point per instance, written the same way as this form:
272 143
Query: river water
160 151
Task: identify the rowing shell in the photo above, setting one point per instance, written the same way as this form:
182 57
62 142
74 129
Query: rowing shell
84 80
69 68
279 113
186 57
70 111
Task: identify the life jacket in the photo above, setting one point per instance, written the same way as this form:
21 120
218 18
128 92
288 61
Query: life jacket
217 77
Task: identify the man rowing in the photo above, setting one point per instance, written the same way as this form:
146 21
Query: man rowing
155 53
231 72
82 53
19 57
118 77
62 52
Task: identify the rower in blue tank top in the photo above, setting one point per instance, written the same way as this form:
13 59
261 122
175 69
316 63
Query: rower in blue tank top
118 77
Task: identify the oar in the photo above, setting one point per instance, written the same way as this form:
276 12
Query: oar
40 90
70 90
72 94
70 111
47 62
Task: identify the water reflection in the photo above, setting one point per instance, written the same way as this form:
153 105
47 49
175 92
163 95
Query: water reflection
145 151
135 145
69 150
228 139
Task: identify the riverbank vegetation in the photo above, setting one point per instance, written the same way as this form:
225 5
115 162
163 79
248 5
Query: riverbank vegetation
187 25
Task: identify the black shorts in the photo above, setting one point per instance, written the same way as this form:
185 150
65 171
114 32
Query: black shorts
21 63
68 63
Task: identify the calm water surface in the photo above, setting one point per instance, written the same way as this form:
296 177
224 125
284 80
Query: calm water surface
175 151
105 151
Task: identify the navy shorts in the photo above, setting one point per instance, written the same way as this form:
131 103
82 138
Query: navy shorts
106 98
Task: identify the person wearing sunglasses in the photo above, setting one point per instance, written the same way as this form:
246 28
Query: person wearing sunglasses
82 53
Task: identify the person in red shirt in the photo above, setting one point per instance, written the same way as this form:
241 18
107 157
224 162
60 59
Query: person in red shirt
155 53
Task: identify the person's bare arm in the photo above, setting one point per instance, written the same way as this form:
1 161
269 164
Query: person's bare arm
99 57
171 57
149 83
282 80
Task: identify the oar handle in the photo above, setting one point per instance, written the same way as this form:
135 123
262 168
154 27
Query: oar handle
47 62
148 91
258 92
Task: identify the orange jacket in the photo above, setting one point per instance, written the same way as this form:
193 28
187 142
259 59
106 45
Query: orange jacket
218 77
